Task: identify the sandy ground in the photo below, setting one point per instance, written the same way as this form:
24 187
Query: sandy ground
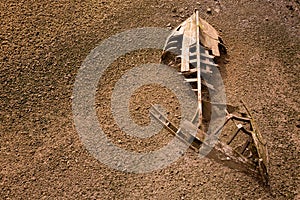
43 44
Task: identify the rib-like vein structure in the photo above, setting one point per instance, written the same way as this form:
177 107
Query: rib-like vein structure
192 48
